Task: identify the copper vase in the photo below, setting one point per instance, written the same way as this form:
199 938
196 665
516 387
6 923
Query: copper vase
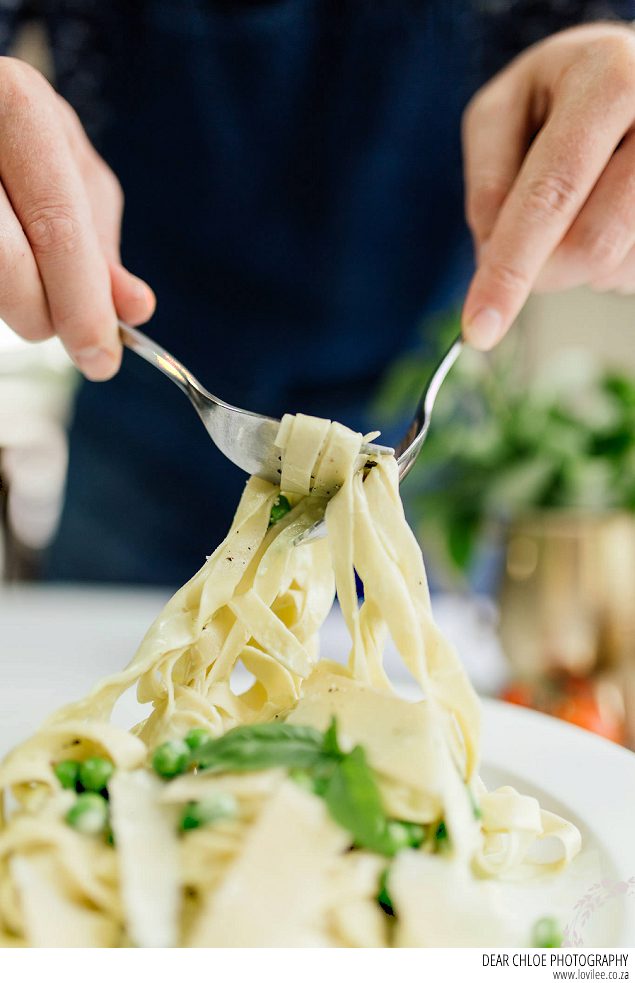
567 600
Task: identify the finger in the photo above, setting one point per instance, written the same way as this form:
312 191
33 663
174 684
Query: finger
557 175
45 188
134 300
497 127
621 279
603 233
22 302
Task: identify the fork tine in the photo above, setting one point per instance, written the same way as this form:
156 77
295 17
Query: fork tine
408 449
376 450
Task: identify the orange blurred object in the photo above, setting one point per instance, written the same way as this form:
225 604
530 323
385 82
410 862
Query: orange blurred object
575 700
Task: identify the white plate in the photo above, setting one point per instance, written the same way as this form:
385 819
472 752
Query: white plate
589 781
582 777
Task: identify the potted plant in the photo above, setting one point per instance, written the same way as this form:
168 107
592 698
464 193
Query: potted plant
539 474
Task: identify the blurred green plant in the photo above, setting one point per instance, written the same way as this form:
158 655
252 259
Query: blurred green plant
500 446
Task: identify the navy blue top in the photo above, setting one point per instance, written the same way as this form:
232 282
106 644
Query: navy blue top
293 195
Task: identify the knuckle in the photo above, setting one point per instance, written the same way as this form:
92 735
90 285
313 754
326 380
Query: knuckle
33 329
67 111
507 277
485 199
53 228
618 53
20 85
79 330
15 70
550 195
603 250
111 183
487 100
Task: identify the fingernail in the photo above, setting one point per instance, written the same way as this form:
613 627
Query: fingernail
484 328
95 363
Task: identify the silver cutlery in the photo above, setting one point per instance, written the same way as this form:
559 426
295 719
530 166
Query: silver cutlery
247 439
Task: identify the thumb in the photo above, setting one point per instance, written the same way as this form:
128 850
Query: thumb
133 299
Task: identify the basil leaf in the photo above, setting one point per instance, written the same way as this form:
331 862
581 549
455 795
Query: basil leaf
353 800
331 742
255 747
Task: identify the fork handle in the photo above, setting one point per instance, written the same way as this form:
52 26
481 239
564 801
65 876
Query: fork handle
153 353
408 450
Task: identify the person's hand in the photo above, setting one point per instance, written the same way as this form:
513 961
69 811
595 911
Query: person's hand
549 150
60 215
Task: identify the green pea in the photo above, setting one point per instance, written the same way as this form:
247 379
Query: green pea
89 815
208 811
171 759
279 509
383 898
67 773
95 773
546 934
196 737
404 835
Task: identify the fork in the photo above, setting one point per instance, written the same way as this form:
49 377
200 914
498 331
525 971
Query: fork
247 439
407 450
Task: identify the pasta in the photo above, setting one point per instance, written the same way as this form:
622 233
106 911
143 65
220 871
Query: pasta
275 852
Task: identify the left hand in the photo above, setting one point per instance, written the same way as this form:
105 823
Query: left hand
549 156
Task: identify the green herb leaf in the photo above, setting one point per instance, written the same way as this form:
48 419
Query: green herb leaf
353 800
331 742
255 747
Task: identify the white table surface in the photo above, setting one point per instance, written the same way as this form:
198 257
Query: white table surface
61 640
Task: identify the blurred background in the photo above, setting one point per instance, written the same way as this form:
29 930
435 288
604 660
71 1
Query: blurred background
523 498
525 494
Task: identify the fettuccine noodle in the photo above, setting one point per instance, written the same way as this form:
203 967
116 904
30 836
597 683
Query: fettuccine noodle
280 870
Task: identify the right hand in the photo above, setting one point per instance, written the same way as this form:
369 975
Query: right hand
60 220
